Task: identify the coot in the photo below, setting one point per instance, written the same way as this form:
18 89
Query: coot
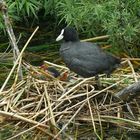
51 70
85 58
55 73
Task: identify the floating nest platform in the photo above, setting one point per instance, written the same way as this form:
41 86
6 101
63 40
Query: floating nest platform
56 107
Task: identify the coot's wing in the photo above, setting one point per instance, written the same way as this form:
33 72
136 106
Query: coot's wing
87 59
86 67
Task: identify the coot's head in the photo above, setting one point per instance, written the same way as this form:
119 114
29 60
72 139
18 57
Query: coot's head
68 34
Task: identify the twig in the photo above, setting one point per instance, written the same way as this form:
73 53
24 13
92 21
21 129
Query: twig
11 34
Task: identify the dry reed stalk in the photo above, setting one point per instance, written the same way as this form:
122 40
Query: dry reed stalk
30 129
28 106
133 72
99 118
121 120
96 38
80 95
19 70
49 106
53 123
38 107
16 98
55 65
128 58
92 118
10 114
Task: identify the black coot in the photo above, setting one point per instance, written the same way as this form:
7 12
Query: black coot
85 58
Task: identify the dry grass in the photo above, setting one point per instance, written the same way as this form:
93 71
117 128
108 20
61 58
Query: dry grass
46 102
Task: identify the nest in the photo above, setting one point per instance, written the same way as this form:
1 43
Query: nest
52 105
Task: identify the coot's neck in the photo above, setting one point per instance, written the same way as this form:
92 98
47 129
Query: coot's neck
72 41
71 37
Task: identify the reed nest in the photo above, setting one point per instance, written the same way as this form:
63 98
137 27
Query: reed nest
53 106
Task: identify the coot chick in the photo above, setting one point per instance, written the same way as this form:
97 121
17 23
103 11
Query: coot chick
55 73
85 58
51 70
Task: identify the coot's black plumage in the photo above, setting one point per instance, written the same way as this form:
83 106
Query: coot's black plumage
85 58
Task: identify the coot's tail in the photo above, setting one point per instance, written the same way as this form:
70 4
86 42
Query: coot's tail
114 60
114 63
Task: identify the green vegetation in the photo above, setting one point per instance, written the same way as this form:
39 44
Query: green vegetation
117 18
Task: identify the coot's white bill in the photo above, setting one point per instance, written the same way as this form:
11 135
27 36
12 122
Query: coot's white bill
60 37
